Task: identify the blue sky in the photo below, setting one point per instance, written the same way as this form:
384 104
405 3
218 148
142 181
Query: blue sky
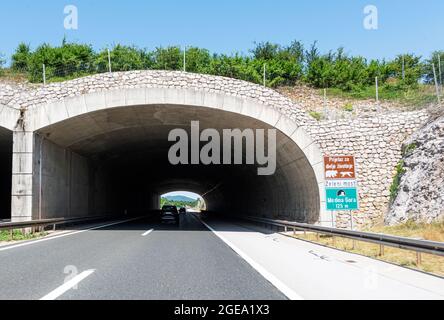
227 26
183 193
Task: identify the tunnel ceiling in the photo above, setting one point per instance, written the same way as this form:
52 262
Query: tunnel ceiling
132 142
121 130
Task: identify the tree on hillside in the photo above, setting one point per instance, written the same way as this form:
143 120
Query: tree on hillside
236 66
20 59
312 53
169 58
2 63
413 68
68 60
294 52
284 65
265 51
436 59
319 69
198 60
124 58
377 68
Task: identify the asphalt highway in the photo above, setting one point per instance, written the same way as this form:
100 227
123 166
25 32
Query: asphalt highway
138 259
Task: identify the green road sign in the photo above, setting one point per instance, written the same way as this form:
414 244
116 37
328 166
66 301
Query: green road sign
342 199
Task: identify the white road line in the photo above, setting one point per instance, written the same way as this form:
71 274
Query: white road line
287 291
147 233
65 235
68 285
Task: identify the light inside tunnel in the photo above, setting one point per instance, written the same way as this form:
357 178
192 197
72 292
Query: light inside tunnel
186 199
116 160
5 173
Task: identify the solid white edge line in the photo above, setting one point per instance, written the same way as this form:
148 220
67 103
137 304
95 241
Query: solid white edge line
289 293
68 285
147 233
65 235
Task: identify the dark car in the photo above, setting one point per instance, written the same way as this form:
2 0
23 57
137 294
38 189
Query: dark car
169 214
183 210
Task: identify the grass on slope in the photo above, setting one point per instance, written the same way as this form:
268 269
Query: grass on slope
14 76
430 263
18 235
415 97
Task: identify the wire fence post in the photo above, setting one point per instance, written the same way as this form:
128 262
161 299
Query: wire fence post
44 74
265 75
440 71
351 220
325 104
377 94
436 83
109 61
403 68
185 59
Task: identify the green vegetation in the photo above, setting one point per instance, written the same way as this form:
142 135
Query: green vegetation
348 107
406 150
400 171
430 263
2 62
394 188
179 204
316 115
428 69
343 74
427 231
417 95
18 235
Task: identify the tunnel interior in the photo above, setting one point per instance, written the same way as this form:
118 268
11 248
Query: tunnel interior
116 160
5 173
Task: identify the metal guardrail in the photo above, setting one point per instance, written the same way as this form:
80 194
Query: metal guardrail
419 246
11 226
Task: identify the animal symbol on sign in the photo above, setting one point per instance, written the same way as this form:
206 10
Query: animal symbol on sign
347 174
332 173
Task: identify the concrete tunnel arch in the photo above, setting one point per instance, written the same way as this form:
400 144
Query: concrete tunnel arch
94 134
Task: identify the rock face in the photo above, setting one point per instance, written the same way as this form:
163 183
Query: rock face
421 191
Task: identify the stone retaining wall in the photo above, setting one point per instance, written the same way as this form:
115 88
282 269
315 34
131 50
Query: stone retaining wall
376 143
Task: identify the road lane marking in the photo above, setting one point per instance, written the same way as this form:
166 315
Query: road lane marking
65 234
68 285
287 291
147 233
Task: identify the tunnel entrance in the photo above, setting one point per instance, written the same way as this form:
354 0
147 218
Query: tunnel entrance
116 160
5 173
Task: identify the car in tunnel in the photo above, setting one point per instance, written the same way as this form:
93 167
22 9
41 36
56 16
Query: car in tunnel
169 214
182 210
